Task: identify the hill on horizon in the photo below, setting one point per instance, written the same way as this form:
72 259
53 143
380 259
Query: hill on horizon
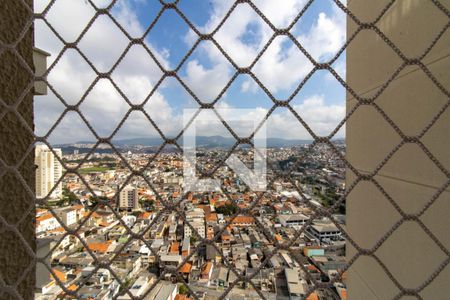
201 141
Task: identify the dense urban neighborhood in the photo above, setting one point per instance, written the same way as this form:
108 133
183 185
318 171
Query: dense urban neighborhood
108 232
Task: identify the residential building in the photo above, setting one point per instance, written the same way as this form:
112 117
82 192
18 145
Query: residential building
48 172
325 232
296 288
293 220
129 198
68 215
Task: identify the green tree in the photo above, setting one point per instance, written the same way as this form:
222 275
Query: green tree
227 209
183 290
146 204
69 197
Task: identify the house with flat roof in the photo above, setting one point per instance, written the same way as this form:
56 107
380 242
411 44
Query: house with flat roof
325 232
296 287
293 220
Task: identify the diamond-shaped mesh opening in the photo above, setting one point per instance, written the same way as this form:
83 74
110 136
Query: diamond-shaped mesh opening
114 221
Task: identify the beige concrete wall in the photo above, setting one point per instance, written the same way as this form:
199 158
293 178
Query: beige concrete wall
16 265
40 67
409 177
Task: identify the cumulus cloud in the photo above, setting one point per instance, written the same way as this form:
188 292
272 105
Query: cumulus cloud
322 117
207 82
243 35
104 107
249 86
282 65
280 68
326 36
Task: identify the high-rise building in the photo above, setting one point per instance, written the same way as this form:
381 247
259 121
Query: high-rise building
128 198
48 172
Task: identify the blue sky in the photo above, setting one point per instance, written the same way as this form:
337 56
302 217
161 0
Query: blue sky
321 31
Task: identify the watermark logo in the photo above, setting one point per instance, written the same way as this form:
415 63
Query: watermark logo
200 124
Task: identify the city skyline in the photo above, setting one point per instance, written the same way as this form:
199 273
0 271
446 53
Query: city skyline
241 225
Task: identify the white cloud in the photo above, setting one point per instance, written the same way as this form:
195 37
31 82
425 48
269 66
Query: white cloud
322 118
249 86
207 81
62 13
280 13
102 44
70 66
243 35
128 19
326 36
282 64
280 68
137 74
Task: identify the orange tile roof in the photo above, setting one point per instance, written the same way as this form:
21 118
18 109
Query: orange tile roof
60 275
44 217
313 296
344 294
182 297
94 215
243 220
186 268
211 217
206 268
56 230
103 224
145 215
175 247
100 247
278 237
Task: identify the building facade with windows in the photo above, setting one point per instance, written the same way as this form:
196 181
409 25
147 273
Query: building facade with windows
129 198
48 172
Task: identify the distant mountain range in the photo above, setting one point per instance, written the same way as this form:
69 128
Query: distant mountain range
201 141
210 142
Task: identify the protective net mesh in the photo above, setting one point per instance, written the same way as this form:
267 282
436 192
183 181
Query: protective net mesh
170 206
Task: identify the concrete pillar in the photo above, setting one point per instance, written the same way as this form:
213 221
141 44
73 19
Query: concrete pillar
410 259
17 213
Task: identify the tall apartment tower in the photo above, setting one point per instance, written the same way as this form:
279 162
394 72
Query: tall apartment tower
128 198
48 172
